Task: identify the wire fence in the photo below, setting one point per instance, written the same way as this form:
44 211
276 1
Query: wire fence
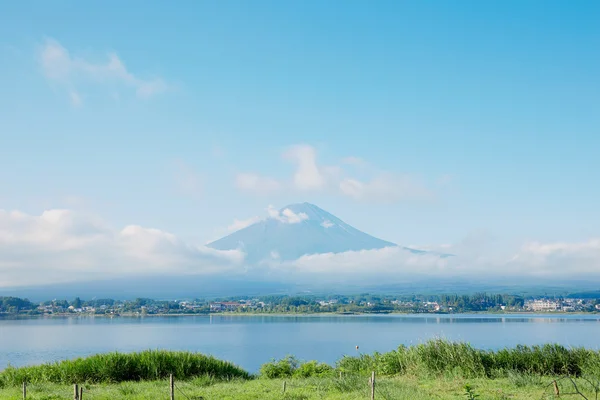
567 386
583 387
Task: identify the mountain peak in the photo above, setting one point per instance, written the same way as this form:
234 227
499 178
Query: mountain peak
296 230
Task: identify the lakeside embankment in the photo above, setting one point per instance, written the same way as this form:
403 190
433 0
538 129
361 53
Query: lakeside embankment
437 368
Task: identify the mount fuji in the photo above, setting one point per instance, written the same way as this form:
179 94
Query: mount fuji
297 230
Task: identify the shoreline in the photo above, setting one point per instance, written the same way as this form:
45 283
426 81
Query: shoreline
324 314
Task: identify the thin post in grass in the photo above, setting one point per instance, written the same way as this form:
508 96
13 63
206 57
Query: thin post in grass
172 386
24 390
556 391
372 385
81 393
75 392
284 386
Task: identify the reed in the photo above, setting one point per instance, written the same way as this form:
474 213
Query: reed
442 357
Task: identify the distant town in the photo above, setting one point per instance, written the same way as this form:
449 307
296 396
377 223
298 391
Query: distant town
337 304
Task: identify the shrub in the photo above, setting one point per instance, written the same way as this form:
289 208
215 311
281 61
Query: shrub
283 368
313 368
289 366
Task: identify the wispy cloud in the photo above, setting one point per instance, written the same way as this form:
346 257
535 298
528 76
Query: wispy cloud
242 223
71 71
311 176
257 184
385 187
76 99
188 180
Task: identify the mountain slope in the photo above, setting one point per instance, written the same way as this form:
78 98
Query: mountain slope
297 230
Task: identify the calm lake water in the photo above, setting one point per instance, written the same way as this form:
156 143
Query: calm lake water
250 341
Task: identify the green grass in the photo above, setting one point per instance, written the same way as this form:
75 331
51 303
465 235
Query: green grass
349 387
119 367
436 369
440 357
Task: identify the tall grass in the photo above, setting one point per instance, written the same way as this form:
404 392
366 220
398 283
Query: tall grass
441 357
431 359
121 367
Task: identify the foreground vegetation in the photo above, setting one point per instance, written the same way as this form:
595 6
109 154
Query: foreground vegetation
348 387
118 367
437 369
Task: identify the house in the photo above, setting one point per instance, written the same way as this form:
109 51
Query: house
231 305
434 305
543 305
225 306
327 302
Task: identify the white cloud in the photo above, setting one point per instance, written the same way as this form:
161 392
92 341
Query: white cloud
533 261
310 176
64 246
391 261
286 216
565 259
72 71
257 184
385 188
327 224
241 224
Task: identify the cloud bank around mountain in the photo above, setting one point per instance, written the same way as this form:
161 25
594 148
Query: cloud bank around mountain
66 246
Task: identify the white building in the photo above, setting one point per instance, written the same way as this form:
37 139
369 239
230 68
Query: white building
543 305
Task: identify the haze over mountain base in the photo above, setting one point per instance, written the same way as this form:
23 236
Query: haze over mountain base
173 288
299 247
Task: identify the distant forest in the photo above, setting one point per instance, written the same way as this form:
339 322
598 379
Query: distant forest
302 304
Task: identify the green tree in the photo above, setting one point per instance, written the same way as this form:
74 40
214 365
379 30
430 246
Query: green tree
76 303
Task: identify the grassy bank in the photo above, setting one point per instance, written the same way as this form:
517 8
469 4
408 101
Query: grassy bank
406 387
436 369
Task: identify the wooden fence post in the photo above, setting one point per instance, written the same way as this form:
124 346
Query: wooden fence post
373 385
81 393
556 391
284 386
172 385
75 392
24 390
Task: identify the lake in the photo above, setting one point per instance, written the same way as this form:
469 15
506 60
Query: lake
250 341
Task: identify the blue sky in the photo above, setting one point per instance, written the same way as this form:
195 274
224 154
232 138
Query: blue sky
422 123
